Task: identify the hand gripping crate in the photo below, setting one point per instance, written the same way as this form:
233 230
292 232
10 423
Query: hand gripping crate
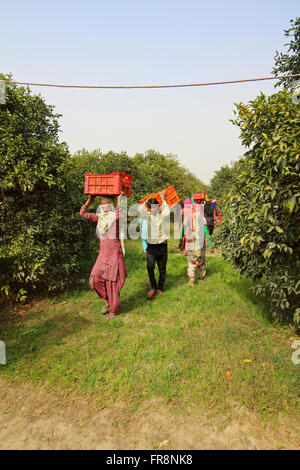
107 185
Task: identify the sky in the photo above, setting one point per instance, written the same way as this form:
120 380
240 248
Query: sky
138 42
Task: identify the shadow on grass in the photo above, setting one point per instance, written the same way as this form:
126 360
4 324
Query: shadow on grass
244 287
28 339
139 298
213 268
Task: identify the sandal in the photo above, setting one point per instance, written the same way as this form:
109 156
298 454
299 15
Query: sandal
105 309
151 294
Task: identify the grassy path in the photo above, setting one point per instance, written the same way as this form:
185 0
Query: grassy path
209 350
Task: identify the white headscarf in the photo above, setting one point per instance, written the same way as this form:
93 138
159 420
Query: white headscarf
105 219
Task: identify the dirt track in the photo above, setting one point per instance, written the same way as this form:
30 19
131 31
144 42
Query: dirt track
32 418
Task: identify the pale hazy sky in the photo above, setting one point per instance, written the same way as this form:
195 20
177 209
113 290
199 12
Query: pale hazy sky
130 42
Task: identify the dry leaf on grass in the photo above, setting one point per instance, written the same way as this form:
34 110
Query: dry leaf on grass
163 443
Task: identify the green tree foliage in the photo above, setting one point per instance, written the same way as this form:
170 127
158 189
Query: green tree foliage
289 62
221 182
261 237
161 171
41 234
151 172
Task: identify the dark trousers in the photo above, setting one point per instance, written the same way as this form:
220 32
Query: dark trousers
210 229
157 254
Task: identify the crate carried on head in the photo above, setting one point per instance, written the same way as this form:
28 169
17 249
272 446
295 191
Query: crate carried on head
199 196
171 197
151 196
108 185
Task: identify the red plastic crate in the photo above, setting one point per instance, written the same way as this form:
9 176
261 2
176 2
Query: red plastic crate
107 185
126 182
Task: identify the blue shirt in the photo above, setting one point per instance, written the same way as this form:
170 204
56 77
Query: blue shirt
144 229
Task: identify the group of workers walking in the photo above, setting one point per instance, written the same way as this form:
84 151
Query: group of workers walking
109 272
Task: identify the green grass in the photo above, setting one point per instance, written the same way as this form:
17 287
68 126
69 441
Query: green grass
176 348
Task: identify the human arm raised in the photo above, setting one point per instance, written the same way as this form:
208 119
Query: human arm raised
88 215
165 210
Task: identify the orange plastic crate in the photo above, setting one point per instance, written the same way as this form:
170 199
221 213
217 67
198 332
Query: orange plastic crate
107 185
171 197
197 196
154 195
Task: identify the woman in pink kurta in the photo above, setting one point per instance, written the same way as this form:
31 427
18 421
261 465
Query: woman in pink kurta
109 272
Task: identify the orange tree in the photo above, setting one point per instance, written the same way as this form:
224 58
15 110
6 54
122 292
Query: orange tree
151 171
41 234
261 225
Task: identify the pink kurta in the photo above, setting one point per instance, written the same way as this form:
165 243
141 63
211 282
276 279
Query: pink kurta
109 272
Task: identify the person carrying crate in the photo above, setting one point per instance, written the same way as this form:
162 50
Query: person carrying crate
209 214
157 246
193 239
109 272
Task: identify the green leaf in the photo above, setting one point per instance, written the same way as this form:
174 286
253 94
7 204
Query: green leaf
267 253
291 203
